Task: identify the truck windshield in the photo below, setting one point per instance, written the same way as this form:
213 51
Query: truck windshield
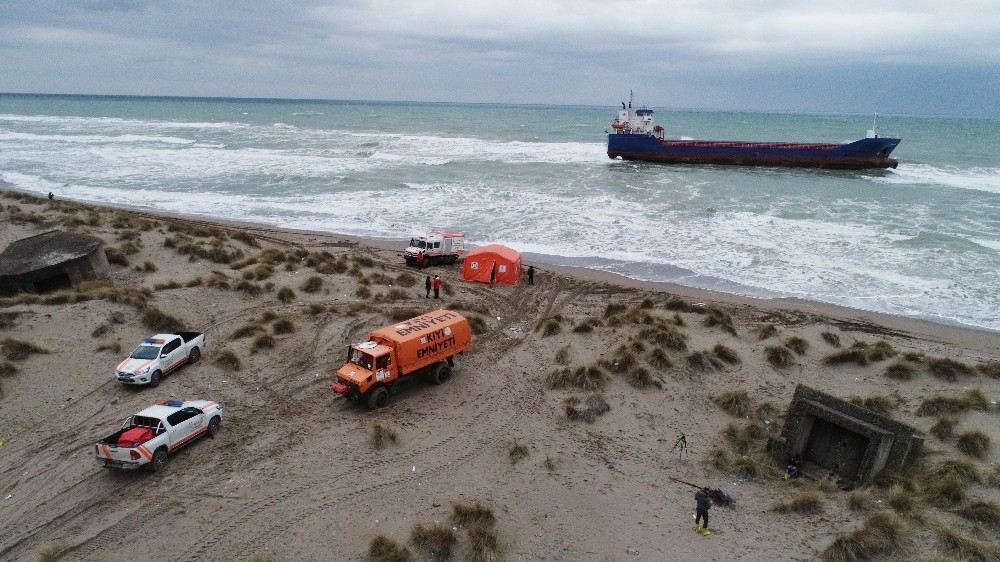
360 359
417 243
145 352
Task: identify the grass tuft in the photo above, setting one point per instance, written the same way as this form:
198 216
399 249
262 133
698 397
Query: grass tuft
900 371
880 403
879 536
283 326
114 347
263 341
767 331
562 356
381 436
665 336
484 544
434 540
246 331
797 344
659 359
736 403
976 444
595 405
726 354
948 369
780 357
807 503
384 549
954 469
19 350
859 500
583 378
855 355
939 404
966 547
228 360
831 338
7 369
52 551
551 328
313 284
640 377
285 295
466 514
159 321
517 452
720 318
406 280
982 513
902 499
991 370
944 427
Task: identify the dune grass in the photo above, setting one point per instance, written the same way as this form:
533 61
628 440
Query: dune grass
806 503
880 403
246 330
900 371
991 370
954 469
854 355
719 318
484 544
582 378
949 369
159 321
831 338
880 536
19 350
964 546
735 402
859 500
263 341
799 345
436 541
285 295
587 410
312 284
726 354
517 452
780 357
938 404
283 326
658 359
467 514
7 369
666 336
944 427
381 436
985 513
228 360
767 331
976 444
51 551
384 549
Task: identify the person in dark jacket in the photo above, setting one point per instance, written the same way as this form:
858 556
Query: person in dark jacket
531 275
702 504
427 285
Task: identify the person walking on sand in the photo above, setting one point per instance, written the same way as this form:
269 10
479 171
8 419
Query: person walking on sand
427 285
531 275
437 286
702 504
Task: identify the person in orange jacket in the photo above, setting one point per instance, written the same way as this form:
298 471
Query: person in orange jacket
437 286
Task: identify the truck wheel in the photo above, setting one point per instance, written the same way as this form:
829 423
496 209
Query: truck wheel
194 356
213 426
441 373
159 460
154 379
378 398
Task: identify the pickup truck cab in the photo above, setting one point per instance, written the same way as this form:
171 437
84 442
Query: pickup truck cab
152 435
158 356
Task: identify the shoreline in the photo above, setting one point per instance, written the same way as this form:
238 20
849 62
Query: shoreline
980 338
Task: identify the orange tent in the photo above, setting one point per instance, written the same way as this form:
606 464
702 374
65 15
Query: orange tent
492 262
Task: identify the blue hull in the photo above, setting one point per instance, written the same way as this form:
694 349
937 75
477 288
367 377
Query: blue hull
861 154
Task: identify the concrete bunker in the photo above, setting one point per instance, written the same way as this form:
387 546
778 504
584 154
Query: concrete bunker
51 261
852 442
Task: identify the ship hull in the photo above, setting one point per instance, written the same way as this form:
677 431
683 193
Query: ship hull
861 154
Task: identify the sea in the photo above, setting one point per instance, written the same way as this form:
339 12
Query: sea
922 240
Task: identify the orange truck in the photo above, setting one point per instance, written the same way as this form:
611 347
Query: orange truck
424 345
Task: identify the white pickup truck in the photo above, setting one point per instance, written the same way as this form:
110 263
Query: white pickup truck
158 356
149 437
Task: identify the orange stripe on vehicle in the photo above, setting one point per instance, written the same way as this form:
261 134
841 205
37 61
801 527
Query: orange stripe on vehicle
145 453
177 364
182 442
106 451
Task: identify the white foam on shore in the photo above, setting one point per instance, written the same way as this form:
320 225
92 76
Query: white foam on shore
977 178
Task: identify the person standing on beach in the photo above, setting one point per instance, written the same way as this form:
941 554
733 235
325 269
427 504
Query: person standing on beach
437 286
531 275
427 285
420 259
702 504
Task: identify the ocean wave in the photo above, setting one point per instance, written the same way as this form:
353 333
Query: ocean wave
93 139
976 178
73 120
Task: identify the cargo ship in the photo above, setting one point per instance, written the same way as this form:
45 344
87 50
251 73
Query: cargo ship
636 137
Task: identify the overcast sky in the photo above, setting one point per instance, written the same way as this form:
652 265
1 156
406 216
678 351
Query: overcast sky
903 57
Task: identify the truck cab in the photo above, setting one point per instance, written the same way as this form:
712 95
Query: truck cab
368 363
438 247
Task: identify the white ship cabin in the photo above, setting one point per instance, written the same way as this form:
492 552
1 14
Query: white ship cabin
636 122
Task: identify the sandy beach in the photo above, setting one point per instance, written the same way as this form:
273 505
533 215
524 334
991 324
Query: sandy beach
295 475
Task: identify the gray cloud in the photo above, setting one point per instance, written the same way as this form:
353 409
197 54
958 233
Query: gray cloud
906 57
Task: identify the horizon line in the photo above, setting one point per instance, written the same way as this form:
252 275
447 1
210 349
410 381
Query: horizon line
467 103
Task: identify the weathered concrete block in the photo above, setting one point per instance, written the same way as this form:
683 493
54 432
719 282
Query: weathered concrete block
851 441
